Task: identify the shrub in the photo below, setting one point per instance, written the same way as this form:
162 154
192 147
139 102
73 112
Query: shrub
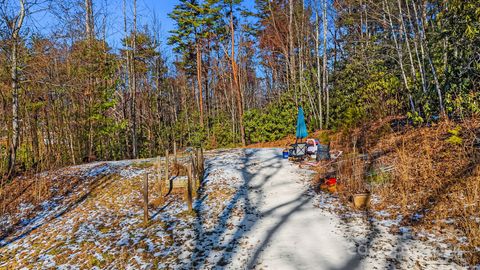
275 122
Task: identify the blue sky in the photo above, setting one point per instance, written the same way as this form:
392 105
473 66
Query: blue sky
147 8
163 7
42 21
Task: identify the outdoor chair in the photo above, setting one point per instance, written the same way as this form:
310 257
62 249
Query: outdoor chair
298 150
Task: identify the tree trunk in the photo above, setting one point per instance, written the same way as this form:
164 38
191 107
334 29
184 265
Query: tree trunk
399 54
292 52
427 55
127 79
407 41
236 84
325 74
89 25
15 119
415 44
199 80
15 88
133 102
317 51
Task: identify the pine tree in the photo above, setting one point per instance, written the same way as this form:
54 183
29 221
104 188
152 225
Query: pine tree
187 39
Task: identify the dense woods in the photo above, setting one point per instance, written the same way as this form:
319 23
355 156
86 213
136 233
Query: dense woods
68 95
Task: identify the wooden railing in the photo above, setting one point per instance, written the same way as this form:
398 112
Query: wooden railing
195 170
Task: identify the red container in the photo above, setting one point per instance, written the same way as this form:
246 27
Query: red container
331 181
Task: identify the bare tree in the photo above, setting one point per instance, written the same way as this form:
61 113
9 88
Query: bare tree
319 83
415 44
399 54
89 29
325 71
133 103
127 68
292 50
89 25
236 83
14 24
421 26
199 77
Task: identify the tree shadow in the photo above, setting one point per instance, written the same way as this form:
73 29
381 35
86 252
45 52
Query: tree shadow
209 241
361 250
300 202
42 219
160 210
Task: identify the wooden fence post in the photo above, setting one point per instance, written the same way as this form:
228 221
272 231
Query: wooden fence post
145 200
166 165
197 166
174 151
159 174
202 162
194 172
199 163
194 166
189 188
203 159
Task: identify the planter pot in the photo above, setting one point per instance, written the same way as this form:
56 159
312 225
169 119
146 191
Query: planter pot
361 200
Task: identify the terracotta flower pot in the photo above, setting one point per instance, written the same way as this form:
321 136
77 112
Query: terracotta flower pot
361 200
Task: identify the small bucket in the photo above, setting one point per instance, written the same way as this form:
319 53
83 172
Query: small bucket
285 154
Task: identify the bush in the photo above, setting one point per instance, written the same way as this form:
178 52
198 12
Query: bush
275 122
455 139
222 134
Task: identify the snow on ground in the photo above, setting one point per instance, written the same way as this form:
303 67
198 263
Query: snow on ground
253 211
383 243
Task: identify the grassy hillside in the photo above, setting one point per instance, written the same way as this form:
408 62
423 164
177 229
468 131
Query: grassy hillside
429 177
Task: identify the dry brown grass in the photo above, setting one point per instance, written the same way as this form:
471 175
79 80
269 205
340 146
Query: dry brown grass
287 141
32 190
433 180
